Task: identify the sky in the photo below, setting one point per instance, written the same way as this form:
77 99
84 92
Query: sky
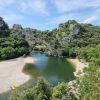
47 14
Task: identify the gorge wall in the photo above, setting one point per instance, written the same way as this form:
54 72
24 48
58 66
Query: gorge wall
64 39
54 39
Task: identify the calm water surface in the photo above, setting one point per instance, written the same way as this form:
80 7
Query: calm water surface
51 68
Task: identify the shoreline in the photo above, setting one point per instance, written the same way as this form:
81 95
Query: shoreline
11 74
79 66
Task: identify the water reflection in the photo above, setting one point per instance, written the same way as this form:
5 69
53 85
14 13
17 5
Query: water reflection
52 68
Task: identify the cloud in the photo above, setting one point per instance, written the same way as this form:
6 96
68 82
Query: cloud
25 6
64 5
33 6
90 19
13 11
40 11
72 9
5 3
68 5
63 18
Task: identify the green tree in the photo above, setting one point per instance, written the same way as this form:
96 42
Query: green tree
42 90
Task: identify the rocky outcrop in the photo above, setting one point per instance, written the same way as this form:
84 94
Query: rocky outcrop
4 29
34 37
68 35
74 29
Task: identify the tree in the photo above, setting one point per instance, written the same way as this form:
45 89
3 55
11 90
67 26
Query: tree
7 53
61 92
42 90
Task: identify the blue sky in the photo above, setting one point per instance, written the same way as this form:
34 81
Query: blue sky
47 14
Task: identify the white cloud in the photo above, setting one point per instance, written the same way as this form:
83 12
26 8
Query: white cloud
64 5
63 18
68 5
5 3
90 19
94 16
13 10
25 6
33 6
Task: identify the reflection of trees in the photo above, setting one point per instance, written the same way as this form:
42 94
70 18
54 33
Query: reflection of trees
55 69
31 70
60 68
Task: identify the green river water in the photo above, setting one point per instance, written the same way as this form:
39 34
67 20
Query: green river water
53 69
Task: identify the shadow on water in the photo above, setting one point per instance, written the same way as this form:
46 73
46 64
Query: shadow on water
52 68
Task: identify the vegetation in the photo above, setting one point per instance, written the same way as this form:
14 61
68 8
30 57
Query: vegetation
90 54
41 48
12 47
62 41
89 85
70 39
43 90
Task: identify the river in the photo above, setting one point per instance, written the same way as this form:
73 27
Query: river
53 69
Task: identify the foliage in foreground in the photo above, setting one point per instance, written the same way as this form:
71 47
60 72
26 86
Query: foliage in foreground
43 90
83 44
88 85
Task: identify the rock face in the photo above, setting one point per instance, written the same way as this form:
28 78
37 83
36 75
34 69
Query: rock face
67 35
17 30
32 36
4 29
54 44
74 30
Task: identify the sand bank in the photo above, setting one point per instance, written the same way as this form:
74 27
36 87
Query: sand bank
79 67
11 72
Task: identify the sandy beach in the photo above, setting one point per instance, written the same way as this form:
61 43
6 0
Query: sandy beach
11 72
79 66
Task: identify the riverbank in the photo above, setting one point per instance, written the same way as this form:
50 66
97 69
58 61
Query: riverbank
11 73
79 66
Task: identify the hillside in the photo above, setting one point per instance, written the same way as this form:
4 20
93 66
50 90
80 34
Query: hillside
62 41
69 39
11 46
